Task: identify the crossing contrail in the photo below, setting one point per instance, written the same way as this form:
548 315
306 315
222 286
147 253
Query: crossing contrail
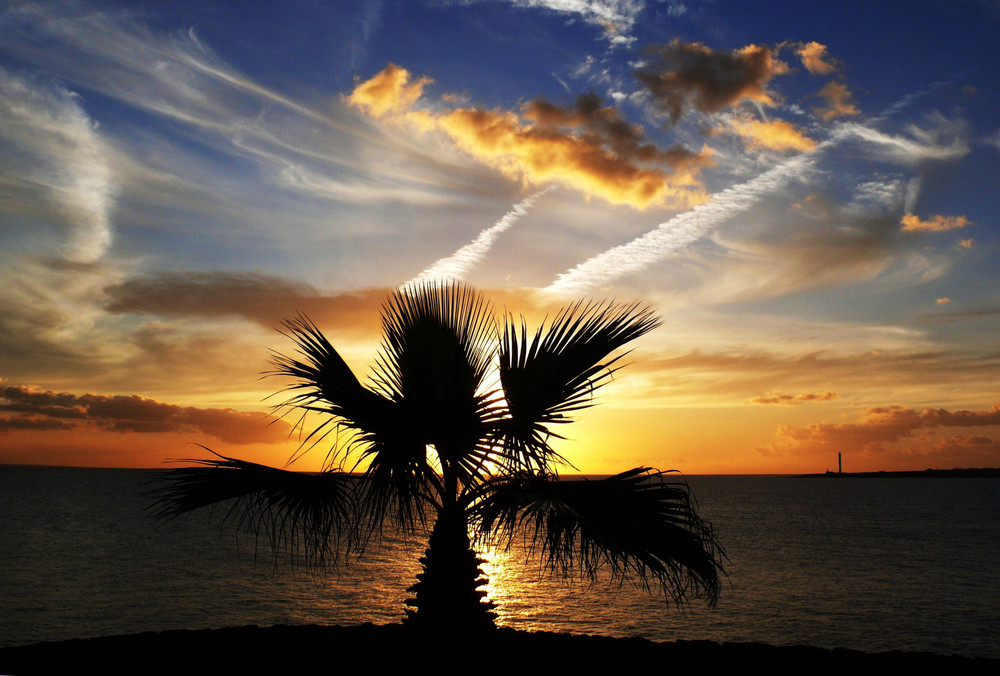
679 231
460 262
685 228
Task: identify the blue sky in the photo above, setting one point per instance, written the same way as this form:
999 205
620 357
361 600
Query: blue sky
807 194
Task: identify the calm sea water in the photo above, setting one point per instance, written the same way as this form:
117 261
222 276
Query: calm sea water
869 564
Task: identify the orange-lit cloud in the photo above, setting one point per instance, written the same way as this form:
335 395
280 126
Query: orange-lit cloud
883 426
939 223
815 58
943 301
772 135
691 74
389 92
966 243
540 153
29 408
840 102
793 399
589 146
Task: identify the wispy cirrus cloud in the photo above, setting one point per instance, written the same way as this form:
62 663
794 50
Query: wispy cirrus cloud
736 377
615 18
56 168
938 139
312 148
172 75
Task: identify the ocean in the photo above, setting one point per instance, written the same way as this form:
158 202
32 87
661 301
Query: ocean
869 564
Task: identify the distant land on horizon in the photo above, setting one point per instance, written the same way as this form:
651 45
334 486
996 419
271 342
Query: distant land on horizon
954 473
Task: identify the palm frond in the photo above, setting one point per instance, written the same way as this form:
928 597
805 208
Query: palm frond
637 525
324 383
547 377
311 515
374 433
438 347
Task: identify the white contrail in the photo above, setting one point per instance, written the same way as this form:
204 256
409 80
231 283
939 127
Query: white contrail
460 262
678 231
684 228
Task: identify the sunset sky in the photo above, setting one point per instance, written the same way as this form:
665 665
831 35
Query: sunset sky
807 193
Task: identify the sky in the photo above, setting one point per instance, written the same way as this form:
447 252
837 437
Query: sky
806 193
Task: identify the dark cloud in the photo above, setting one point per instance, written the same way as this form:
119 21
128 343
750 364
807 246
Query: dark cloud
28 408
691 74
264 299
942 418
793 399
605 126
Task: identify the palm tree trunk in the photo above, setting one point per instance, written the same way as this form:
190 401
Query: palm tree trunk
447 593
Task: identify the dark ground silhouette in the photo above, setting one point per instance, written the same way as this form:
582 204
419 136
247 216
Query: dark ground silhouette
394 648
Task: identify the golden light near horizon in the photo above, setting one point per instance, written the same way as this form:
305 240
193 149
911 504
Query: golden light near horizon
799 219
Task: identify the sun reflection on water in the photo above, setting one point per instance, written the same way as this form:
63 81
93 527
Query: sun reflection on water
513 588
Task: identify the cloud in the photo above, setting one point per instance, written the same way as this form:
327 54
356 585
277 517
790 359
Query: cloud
896 436
587 147
993 139
56 168
966 243
176 76
615 17
675 233
913 223
840 102
939 139
692 75
264 299
541 153
313 152
24 407
793 399
737 376
855 243
772 135
389 92
886 425
815 58
943 301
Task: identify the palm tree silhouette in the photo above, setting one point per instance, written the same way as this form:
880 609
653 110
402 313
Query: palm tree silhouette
454 429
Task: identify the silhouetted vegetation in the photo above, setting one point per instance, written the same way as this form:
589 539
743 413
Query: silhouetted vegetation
453 432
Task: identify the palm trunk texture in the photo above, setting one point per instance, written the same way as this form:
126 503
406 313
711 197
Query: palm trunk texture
447 593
